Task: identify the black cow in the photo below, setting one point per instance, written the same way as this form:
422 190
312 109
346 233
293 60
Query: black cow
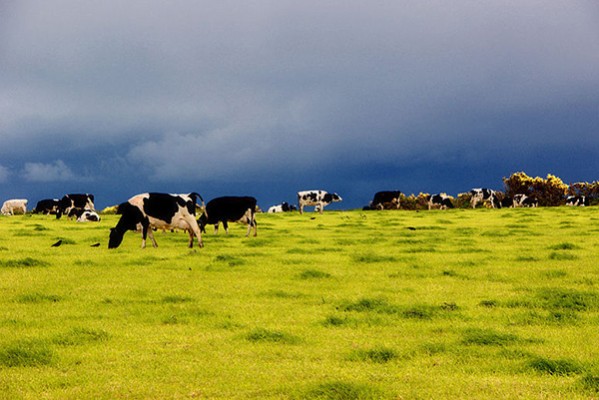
508 202
385 199
229 209
47 206
160 211
71 202
440 200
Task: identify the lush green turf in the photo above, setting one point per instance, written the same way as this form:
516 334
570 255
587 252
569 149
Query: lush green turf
486 304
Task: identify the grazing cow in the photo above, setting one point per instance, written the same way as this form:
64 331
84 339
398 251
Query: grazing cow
317 198
160 211
385 199
482 195
47 206
88 216
442 200
71 202
14 205
230 209
283 207
579 201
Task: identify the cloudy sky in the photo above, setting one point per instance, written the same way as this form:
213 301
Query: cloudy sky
269 97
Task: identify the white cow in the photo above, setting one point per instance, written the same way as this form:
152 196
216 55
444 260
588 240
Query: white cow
14 205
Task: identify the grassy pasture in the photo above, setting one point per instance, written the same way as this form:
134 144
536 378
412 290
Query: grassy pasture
485 304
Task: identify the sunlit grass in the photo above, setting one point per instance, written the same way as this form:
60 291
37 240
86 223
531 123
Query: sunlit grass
485 304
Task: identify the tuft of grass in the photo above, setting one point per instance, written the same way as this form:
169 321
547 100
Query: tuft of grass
555 367
564 246
372 258
371 305
231 261
568 299
314 274
487 337
38 298
81 336
26 262
339 390
270 336
562 256
333 320
590 383
176 299
379 355
26 354
489 303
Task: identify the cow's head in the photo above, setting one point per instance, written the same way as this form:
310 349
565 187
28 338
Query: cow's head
202 222
336 197
130 217
116 238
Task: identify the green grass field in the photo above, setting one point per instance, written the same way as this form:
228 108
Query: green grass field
480 304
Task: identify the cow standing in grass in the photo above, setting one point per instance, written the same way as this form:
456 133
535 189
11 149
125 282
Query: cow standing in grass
230 209
10 207
441 201
316 198
72 203
160 211
484 195
387 199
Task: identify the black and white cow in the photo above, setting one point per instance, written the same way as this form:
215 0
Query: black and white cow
441 200
317 198
283 207
71 202
12 206
385 199
577 201
481 195
47 206
230 209
160 211
529 201
508 202
88 216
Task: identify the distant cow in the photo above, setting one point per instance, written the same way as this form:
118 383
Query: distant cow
529 202
481 195
508 202
441 200
9 207
47 206
157 210
579 201
230 209
88 216
71 202
283 207
385 199
523 200
317 198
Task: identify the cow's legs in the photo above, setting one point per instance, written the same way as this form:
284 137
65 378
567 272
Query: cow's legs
151 234
226 226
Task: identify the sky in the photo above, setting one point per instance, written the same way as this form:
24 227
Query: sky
270 97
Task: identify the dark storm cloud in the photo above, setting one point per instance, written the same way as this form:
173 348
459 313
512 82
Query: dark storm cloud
240 90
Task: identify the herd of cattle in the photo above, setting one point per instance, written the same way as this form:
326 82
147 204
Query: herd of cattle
150 211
